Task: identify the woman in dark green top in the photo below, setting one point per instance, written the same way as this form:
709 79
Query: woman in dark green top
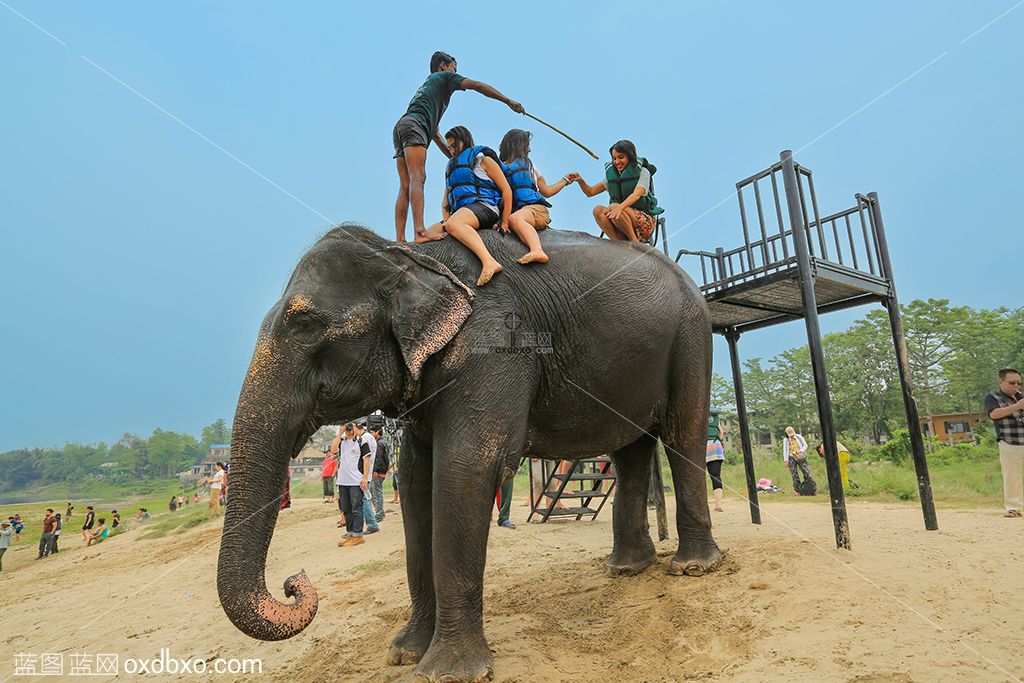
415 130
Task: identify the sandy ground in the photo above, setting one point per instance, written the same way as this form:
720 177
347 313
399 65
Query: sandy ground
904 605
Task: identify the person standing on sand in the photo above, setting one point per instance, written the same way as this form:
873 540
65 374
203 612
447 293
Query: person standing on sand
90 517
381 464
327 470
714 456
504 502
49 525
56 535
352 484
1005 406
67 513
6 532
217 482
417 127
367 451
794 454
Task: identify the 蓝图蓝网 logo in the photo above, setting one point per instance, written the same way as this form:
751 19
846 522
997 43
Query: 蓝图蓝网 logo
508 335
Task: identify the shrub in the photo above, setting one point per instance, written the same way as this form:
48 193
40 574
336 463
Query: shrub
896 449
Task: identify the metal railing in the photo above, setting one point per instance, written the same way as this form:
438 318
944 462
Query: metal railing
848 238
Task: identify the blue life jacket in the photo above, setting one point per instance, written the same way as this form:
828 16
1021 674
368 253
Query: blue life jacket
524 190
464 186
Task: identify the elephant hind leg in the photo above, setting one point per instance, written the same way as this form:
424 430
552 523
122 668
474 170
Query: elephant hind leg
685 441
632 548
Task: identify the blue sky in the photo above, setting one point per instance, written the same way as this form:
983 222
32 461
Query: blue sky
142 241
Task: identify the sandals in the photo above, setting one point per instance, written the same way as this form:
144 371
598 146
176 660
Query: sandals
1012 513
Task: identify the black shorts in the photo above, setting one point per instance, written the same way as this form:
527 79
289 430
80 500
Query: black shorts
485 214
409 132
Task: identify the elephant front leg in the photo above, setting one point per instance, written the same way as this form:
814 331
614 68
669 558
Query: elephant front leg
415 488
465 483
632 548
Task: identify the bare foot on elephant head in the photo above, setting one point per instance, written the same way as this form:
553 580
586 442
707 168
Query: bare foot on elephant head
489 270
430 236
533 257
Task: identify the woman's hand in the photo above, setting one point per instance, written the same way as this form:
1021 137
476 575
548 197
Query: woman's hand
614 213
571 178
503 224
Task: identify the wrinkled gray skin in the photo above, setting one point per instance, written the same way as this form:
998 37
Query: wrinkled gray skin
366 324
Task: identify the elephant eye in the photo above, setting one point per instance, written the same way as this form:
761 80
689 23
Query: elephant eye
305 324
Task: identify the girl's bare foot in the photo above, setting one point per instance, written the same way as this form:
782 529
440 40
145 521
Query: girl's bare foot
490 270
533 257
428 236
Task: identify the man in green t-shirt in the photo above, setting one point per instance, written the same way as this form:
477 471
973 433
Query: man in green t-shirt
417 127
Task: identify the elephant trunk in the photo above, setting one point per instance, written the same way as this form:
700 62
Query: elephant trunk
260 453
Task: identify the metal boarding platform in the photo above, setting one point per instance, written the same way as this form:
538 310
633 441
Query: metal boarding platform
795 264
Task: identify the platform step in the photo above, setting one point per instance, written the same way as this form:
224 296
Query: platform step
576 494
558 512
580 476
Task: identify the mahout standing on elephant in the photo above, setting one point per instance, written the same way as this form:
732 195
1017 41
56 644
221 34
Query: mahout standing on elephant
476 197
632 213
530 193
417 127
368 324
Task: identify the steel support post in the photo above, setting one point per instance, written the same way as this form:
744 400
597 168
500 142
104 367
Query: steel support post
924 485
828 433
741 415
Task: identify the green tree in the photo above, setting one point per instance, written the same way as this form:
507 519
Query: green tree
862 378
216 432
722 394
988 339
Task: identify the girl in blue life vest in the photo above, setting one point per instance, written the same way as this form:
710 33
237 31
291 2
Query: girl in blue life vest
529 193
476 197
631 213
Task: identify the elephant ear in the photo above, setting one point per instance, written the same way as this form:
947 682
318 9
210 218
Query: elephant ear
429 305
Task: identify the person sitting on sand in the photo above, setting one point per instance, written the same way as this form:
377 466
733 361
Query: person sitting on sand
529 193
631 213
474 188
97 534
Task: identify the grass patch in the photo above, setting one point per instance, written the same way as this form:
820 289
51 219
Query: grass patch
176 522
378 566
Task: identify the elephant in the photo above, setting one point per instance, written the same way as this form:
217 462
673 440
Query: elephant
604 349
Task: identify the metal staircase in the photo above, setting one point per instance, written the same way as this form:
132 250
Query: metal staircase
580 488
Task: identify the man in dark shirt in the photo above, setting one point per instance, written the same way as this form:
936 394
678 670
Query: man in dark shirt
417 127
49 526
1006 408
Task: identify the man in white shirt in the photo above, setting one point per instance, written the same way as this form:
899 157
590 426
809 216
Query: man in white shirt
351 484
